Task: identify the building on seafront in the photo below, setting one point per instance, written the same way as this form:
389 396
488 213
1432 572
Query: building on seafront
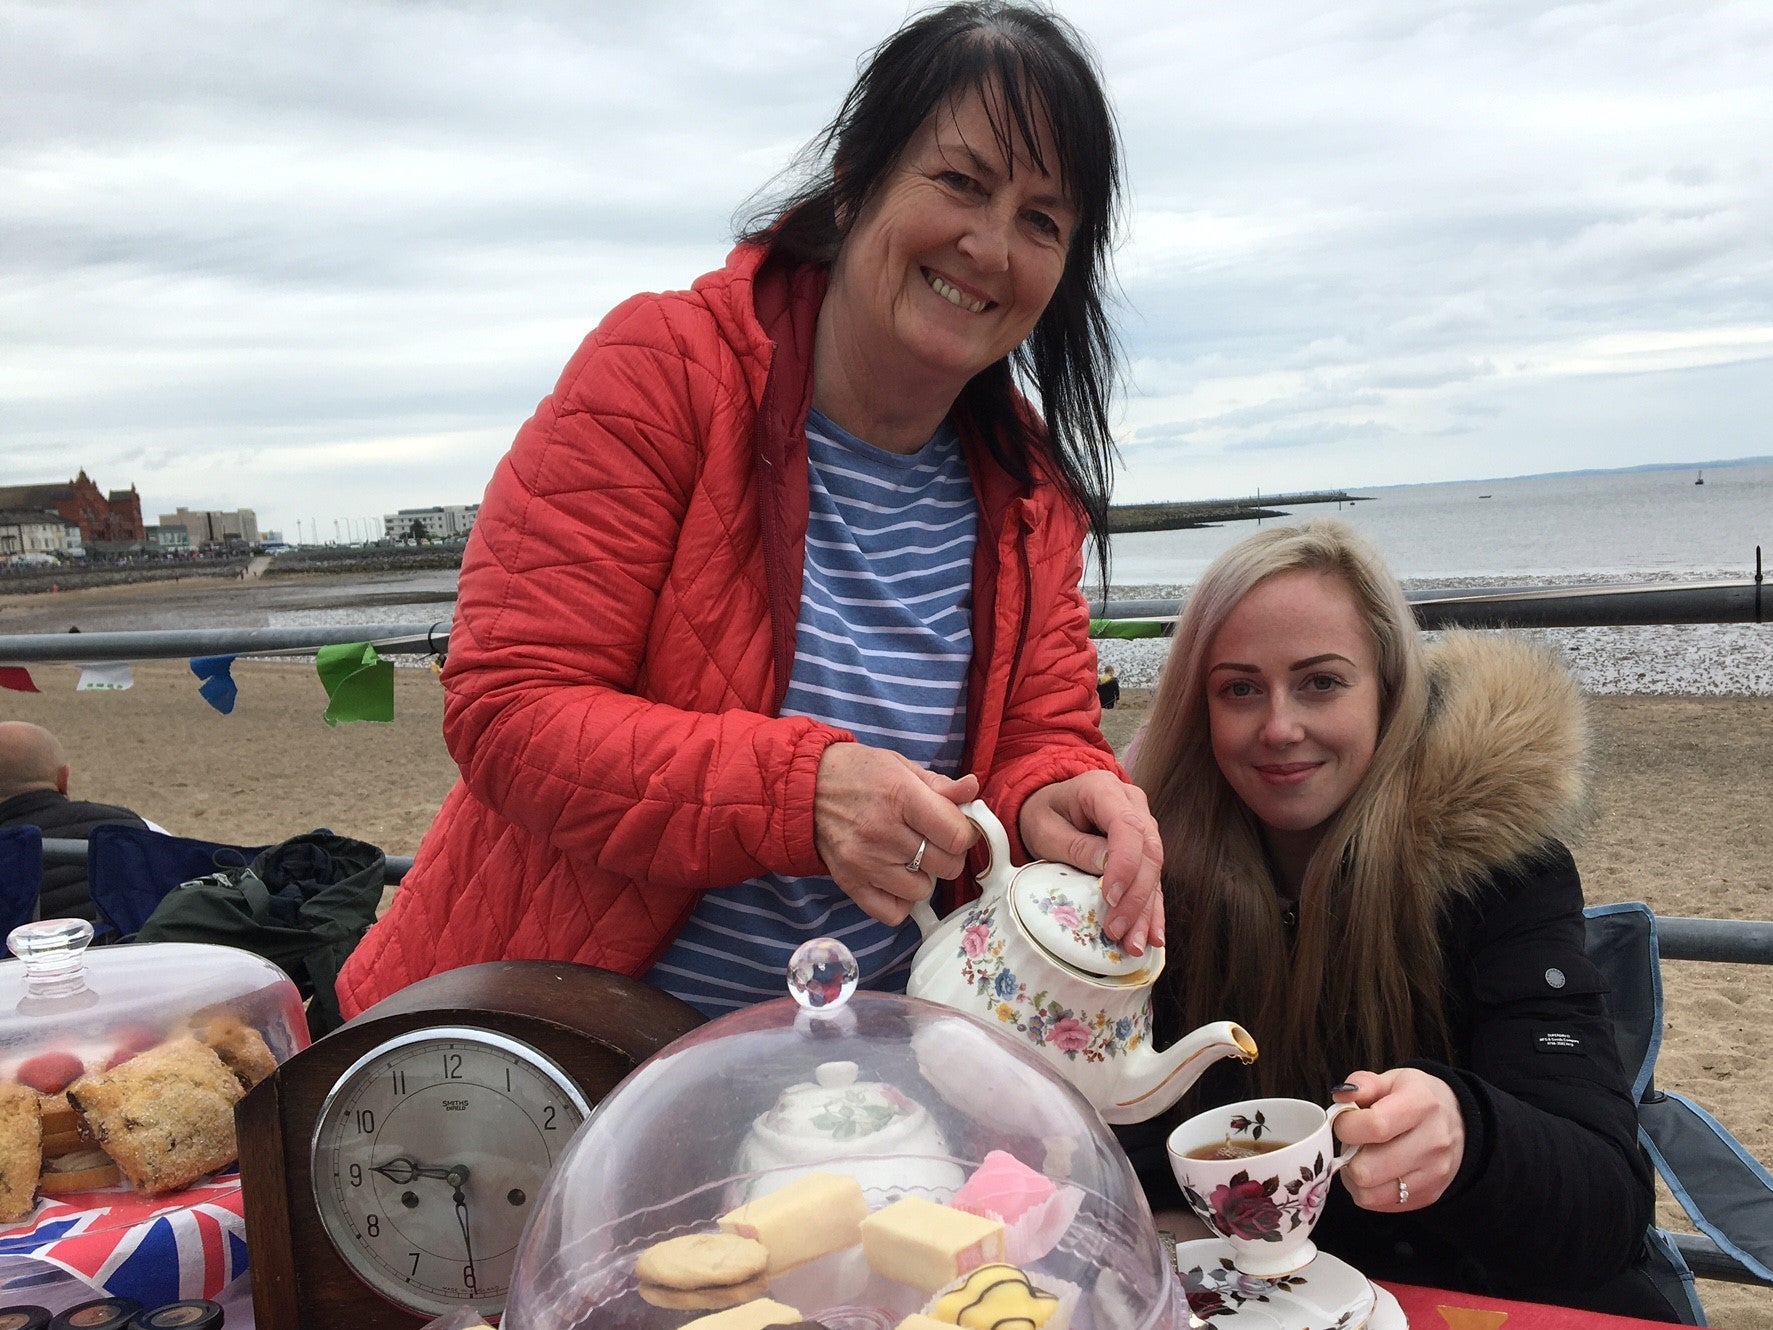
37 531
447 522
210 527
102 517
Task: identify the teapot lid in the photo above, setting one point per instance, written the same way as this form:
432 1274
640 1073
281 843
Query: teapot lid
1063 910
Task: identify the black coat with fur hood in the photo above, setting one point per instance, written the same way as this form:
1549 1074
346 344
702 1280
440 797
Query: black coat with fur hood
1554 1194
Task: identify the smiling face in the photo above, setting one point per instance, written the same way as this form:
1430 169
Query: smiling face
952 261
1293 707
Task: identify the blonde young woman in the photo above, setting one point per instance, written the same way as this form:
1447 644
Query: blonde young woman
1364 863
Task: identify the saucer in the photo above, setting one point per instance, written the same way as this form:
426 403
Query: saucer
1327 1294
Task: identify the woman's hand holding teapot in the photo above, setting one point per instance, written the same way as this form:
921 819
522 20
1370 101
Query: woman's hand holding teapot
1100 824
872 809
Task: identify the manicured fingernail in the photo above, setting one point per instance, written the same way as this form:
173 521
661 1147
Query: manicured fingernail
1136 943
1346 1087
1117 926
1101 863
1113 891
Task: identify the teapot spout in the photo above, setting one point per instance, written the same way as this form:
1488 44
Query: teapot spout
1150 1081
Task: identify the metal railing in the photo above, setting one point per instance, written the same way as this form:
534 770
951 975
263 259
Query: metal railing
1636 604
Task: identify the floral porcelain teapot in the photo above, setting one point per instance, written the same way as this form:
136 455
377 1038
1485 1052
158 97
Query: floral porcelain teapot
1030 957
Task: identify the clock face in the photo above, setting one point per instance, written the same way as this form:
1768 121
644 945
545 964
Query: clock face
428 1156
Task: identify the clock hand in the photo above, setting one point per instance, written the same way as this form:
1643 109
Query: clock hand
401 1170
457 1177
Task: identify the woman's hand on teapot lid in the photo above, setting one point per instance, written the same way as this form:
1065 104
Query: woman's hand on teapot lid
1100 824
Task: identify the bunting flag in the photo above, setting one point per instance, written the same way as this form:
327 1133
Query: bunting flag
112 676
1130 629
359 684
155 1249
18 679
217 686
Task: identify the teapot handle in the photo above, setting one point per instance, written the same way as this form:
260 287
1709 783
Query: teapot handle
925 916
997 845
997 840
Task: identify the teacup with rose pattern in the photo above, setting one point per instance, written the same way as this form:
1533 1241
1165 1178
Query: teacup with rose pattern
1263 1201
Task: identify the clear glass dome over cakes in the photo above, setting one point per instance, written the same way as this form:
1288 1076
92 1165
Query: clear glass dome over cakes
66 1010
843 1159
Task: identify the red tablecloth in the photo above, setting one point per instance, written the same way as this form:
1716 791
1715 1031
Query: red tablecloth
1436 1309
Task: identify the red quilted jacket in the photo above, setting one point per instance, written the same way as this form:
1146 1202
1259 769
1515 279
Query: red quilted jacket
624 634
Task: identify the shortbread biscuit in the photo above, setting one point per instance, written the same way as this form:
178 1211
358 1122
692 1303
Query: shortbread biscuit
166 1116
757 1315
702 1260
704 1299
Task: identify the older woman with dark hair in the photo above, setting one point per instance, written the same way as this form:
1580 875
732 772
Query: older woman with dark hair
1366 853
788 565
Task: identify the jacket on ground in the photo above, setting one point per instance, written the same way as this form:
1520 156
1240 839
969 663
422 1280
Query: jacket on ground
624 634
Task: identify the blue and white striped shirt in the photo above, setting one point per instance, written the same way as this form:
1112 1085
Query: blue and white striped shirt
882 648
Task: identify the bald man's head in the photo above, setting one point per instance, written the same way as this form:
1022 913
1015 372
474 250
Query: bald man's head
31 758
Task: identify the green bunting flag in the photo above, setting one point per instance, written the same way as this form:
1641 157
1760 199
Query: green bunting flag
359 683
1128 629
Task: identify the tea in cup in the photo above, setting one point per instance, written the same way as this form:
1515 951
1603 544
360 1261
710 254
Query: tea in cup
1258 1173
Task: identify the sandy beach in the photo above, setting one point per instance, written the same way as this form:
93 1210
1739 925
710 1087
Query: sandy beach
1681 822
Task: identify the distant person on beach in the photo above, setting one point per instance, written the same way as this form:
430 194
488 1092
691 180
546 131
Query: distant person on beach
788 566
34 779
1366 859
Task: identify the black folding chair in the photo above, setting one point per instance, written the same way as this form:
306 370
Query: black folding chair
21 877
128 870
1725 1191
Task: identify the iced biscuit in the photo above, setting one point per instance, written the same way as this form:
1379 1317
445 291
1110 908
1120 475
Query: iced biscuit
820 1213
926 1245
702 1260
996 1297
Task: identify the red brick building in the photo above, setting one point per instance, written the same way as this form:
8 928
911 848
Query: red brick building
100 516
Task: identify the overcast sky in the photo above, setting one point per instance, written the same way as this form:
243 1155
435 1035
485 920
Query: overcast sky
320 259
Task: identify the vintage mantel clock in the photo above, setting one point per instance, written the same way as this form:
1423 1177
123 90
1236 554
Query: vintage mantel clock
389 1168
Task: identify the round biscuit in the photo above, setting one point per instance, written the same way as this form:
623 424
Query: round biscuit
702 1260
704 1299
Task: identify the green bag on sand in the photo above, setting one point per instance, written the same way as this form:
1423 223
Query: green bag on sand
303 904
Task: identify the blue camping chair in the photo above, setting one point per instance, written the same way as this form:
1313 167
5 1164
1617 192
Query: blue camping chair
21 876
129 869
1726 1193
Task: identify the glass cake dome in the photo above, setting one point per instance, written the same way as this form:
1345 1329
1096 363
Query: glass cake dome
66 1010
877 1150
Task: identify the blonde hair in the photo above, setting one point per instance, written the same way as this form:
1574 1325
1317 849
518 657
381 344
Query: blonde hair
1359 985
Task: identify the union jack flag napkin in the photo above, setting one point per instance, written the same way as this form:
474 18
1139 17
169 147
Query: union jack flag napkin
155 1249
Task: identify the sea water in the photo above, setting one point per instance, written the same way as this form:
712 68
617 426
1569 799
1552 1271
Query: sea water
1623 524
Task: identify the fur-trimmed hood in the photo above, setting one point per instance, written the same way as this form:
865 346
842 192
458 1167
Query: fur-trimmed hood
1502 766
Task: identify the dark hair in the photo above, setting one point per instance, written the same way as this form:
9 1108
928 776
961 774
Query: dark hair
1027 64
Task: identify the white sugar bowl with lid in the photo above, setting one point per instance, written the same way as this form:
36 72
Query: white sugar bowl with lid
1029 957
886 1140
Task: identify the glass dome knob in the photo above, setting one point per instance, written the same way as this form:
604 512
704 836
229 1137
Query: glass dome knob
50 947
54 953
822 974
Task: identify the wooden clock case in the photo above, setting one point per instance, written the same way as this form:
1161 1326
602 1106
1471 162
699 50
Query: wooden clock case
596 1025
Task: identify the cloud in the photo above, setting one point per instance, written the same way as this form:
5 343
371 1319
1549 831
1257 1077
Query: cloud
249 249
